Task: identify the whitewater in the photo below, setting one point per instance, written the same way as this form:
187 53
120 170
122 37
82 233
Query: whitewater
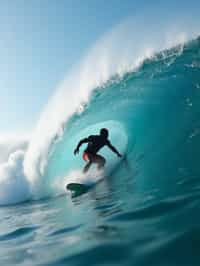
145 88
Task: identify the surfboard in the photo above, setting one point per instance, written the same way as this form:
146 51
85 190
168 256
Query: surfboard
78 189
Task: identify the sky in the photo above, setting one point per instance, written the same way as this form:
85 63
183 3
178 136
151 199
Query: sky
40 41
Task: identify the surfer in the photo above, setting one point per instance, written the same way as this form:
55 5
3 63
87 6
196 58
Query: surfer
95 143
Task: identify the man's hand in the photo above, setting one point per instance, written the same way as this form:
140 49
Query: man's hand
119 155
76 151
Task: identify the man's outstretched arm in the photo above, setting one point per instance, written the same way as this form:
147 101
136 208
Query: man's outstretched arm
79 145
113 149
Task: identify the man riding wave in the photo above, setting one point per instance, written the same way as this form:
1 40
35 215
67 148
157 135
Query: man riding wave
95 143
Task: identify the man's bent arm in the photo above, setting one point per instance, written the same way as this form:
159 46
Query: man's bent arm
79 145
113 149
81 142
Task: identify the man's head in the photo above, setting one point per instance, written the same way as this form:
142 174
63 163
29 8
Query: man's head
104 133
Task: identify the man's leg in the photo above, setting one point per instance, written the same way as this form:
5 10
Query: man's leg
100 160
86 168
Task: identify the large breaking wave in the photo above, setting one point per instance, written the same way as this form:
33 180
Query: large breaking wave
145 84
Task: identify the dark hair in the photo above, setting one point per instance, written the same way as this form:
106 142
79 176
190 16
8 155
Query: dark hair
104 132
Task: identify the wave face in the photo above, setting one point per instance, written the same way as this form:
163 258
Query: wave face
157 109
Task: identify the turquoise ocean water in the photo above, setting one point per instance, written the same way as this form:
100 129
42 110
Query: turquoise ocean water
145 210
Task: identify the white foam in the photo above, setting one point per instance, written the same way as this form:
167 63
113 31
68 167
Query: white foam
14 187
10 143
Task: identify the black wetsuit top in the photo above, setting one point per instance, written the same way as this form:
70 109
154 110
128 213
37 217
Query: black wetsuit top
95 143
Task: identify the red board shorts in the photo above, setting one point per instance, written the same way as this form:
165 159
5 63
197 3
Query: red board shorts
90 157
86 157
